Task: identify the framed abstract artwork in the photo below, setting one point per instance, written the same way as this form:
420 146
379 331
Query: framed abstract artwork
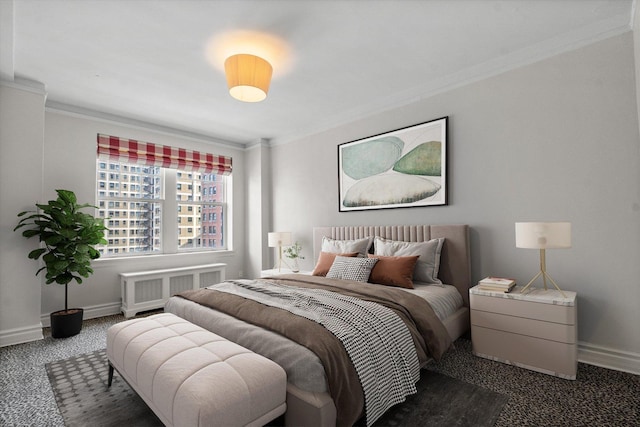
403 168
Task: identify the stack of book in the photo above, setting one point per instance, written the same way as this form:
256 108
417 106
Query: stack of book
499 284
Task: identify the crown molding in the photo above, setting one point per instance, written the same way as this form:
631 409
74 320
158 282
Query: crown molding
566 42
259 143
75 111
26 85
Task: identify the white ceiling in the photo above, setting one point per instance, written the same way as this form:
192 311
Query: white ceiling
148 60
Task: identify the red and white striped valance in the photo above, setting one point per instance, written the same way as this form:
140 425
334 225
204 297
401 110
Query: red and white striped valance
145 153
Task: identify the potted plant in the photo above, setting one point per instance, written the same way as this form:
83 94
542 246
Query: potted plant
293 252
68 236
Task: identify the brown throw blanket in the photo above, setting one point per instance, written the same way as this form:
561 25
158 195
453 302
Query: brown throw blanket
428 333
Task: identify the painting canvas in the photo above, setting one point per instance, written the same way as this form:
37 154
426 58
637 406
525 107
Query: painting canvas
403 168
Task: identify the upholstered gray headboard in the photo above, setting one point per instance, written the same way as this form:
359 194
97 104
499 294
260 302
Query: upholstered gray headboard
455 260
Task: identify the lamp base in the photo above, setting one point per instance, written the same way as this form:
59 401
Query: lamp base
544 274
278 264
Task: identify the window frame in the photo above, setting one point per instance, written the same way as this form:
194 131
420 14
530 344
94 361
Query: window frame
195 209
169 215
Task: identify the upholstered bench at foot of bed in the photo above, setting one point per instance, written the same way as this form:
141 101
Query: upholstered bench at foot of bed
192 377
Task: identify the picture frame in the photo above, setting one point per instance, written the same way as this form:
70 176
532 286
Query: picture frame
403 168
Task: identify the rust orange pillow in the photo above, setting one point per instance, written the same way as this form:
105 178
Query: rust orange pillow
394 270
325 261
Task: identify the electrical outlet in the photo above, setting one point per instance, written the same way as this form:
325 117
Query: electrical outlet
240 274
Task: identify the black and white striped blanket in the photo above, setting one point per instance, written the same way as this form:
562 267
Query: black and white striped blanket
376 340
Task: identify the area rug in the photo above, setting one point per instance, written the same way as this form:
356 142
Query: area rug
80 388
445 402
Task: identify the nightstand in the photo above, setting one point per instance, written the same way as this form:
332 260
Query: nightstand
275 272
536 330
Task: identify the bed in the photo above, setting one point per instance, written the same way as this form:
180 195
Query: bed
309 400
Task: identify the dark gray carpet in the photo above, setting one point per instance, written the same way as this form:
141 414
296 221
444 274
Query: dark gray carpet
598 397
80 389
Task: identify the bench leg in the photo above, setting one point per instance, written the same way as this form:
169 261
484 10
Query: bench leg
110 375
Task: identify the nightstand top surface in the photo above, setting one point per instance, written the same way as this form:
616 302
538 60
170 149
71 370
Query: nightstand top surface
275 272
550 296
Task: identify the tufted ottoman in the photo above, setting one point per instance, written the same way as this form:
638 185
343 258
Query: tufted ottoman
192 377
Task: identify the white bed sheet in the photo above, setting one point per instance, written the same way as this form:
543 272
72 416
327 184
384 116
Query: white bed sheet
444 299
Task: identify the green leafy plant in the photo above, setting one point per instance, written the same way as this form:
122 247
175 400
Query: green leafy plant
68 236
293 251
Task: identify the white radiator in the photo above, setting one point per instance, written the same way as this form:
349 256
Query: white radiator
148 290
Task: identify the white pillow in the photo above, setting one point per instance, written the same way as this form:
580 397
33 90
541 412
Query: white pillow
361 246
428 264
350 268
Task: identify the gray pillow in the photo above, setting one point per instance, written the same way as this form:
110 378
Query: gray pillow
349 268
428 264
361 246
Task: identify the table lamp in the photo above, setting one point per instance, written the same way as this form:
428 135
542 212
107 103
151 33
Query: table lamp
542 236
278 239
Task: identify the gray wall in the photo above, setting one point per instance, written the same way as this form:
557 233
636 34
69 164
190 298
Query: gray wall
21 141
258 213
556 140
636 44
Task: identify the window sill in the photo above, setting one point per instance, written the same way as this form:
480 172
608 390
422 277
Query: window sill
144 259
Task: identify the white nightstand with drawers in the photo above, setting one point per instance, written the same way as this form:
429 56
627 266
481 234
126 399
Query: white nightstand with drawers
536 330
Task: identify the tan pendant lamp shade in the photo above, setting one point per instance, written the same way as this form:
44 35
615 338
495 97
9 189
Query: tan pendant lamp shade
248 77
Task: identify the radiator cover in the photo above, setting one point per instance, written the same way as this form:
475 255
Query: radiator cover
148 290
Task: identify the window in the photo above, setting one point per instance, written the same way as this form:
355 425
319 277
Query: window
138 210
162 190
200 212
199 217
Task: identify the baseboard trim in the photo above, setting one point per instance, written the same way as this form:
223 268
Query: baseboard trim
21 335
609 358
90 312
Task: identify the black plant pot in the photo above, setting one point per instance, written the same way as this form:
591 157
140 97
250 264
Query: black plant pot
66 323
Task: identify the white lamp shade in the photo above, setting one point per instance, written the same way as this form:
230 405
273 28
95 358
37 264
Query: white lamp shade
543 235
279 238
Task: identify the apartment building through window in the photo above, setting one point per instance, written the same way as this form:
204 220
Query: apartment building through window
135 199
201 210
